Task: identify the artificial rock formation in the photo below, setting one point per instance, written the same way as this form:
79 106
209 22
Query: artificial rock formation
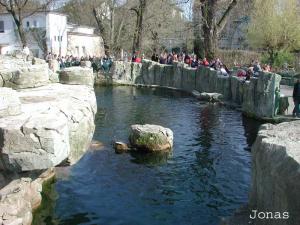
56 123
77 76
10 104
20 197
19 73
151 138
255 98
276 173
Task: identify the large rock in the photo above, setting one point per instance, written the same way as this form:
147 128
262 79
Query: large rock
56 123
19 73
53 65
276 172
151 138
20 197
10 104
26 76
77 76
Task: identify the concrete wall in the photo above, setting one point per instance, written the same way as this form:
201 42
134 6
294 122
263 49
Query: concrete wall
256 98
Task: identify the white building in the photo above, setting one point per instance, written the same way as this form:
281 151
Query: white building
52 30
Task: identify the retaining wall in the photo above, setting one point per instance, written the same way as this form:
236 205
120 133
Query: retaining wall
256 98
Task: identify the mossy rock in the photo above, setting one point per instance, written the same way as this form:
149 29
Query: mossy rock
151 138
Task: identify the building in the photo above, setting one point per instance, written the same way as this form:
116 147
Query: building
50 32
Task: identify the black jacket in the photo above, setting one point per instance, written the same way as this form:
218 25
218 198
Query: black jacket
296 92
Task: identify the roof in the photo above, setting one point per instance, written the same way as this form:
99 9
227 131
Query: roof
79 26
82 34
45 11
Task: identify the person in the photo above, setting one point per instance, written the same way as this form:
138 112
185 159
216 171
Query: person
170 59
154 57
257 68
133 59
267 68
194 62
296 98
205 62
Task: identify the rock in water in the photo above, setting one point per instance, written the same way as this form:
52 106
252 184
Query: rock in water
96 145
121 147
151 138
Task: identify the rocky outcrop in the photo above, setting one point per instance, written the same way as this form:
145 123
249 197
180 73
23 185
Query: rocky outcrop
26 76
18 73
276 173
256 98
10 104
20 197
121 147
56 123
77 76
151 138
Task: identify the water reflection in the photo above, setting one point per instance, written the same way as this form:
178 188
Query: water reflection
150 159
207 176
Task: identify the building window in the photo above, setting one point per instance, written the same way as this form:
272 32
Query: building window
1 26
27 24
54 38
61 38
35 23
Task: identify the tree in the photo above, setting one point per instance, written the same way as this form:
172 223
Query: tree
212 21
138 33
275 27
20 9
104 17
39 35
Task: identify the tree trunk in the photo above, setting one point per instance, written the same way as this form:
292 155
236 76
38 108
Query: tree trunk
137 39
101 29
210 27
198 42
20 29
112 25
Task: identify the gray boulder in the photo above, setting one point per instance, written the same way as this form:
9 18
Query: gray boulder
10 104
210 97
53 65
151 138
276 172
56 123
77 76
25 76
87 64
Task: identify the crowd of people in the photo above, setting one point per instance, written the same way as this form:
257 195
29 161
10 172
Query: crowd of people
248 71
104 63
98 63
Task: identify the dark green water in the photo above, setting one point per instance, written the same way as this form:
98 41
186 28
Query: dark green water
206 177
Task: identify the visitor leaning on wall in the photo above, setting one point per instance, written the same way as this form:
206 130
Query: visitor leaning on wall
296 97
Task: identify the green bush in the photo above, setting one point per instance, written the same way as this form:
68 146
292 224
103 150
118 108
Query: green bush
280 59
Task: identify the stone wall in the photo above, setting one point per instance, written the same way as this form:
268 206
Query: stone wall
256 98
276 173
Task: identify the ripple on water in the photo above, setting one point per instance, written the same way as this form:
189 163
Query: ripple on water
206 177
